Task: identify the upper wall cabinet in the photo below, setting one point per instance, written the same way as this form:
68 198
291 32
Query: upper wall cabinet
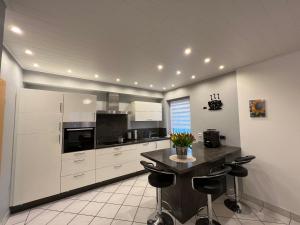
146 111
79 108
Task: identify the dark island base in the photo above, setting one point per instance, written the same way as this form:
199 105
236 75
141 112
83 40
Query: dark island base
182 200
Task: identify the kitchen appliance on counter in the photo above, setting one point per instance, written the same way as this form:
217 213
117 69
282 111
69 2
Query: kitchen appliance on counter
78 136
211 138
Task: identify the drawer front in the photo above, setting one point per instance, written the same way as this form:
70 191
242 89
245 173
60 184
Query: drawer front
110 172
78 162
163 144
112 150
77 180
147 147
117 157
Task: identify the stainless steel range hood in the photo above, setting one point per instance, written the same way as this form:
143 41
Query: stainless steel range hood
112 105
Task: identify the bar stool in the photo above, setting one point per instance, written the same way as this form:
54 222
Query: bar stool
237 170
210 184
160 179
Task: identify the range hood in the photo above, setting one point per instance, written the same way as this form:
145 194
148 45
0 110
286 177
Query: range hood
112 105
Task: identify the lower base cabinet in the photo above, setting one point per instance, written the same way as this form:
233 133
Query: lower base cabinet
77 180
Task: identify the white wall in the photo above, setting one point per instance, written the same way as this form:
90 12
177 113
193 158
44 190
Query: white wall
225 120
12 74
274 176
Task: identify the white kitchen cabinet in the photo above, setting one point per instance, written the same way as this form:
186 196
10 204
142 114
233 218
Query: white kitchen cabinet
37 146
77 180
79 107
163 144
146 111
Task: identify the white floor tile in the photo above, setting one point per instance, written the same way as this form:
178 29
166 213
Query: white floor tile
76 206
148 202
110 188
247 216
141 183
61 204
102 197
87 196
271 217
81 220
228 221
17 218
294 223
43 218
250 222
62 219
109 210
121 222
129 182
92 209
101 221
34 213
135 223
142 215
222 211
137 191
133 200
143 177
150 191
117 199
123 190
126 213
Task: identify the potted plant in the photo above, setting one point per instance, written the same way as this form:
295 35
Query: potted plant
182 141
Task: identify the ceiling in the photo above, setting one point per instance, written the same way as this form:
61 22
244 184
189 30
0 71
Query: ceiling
127 39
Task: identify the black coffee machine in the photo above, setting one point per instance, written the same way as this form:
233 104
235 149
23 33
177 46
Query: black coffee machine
211 138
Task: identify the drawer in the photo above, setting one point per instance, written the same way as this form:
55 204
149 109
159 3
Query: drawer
116 157
77 162
77 180
163 144
111 150
147 147
110 172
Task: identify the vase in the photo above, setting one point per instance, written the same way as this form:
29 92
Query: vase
181 152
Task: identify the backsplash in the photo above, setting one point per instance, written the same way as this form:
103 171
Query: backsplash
146 132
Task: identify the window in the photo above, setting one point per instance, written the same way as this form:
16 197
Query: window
180 116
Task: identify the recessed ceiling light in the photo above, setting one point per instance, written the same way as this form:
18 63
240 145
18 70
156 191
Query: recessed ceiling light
96 75
16 30
207 60
221 67
173 85
178 72
36 65
160 67
151 85
187 51
118 80
164 88
69 71
193 77
28 52
136 83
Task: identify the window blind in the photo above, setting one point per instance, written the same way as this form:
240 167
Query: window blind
180 116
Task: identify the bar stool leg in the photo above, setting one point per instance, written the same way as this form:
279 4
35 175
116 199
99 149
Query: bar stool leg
160 217
234 205
210 219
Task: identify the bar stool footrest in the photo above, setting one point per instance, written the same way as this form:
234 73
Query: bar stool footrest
160 219
233 205
205 221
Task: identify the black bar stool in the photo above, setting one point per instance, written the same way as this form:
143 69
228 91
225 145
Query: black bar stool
160 179
210 184
237 170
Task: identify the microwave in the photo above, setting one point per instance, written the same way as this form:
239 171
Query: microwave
78 136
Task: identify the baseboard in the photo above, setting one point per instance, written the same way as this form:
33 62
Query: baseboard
4 219
273 208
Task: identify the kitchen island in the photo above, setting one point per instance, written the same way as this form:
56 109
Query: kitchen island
181 198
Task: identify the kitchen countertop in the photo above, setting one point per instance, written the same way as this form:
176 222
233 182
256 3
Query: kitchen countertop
202 154
132 142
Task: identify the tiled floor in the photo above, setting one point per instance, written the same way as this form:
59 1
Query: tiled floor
128 203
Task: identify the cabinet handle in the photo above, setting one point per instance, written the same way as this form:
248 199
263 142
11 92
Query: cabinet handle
59 139
78 160
117 148
146 143
79 175
117 153
61 107
79 153
117 166
59 126
95 117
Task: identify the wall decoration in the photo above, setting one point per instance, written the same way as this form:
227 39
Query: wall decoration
257 108
215 103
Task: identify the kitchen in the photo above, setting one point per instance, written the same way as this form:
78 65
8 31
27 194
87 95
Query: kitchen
167 112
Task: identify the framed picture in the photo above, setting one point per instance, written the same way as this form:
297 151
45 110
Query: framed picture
257 108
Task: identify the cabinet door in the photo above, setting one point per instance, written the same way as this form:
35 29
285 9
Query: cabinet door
163 144
37 167
148 116
147 106
79 108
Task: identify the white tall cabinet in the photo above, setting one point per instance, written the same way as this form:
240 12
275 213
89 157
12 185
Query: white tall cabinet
37 145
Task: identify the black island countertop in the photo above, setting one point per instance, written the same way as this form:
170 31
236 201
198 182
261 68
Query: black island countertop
202 154
132 142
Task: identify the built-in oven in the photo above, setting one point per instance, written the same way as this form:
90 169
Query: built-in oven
78 136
